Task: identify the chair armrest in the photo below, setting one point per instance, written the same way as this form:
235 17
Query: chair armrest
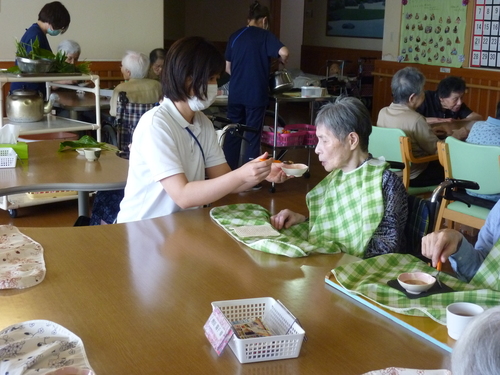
409 154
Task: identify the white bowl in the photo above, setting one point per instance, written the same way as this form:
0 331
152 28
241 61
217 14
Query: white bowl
416 282
296 170
80 151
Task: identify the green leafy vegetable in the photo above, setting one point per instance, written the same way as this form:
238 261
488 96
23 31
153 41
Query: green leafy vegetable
85 141
60 65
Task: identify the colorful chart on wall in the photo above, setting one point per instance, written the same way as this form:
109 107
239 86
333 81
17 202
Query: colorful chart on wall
433 32
485 47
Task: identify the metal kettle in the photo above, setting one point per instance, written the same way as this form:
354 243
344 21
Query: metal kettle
27 106
280 81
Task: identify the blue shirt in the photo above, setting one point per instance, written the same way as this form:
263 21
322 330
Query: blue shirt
467 260
28 38
485 133
249 51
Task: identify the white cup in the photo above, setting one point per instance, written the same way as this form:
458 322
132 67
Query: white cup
92 154
458 315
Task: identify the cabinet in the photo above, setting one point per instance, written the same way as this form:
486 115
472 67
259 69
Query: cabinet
49 124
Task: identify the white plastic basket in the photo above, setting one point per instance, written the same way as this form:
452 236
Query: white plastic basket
288 334
8 157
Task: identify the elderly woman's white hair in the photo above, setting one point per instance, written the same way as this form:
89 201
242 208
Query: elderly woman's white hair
477 351
136 63
69 47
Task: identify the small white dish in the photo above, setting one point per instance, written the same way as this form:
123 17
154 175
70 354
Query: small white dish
92 154
296 170
416 282
80 151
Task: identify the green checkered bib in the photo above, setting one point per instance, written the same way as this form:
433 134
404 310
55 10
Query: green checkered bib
369 277
345 210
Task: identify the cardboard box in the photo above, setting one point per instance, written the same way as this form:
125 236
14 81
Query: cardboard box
21 149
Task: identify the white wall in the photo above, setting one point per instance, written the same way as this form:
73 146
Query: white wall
291 32
105 29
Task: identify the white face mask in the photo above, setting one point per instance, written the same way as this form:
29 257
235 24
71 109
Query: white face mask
199 105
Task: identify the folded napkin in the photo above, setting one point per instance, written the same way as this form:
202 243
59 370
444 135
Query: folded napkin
369 277
21 259
42 347
407 371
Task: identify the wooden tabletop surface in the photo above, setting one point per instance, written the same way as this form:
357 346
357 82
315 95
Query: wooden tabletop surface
78 101
138 295
48 169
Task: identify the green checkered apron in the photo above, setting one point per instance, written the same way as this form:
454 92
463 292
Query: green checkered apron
369 277
345 210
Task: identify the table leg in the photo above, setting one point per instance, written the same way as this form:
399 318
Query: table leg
83 203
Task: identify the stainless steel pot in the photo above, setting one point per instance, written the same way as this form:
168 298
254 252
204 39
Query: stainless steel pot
26 106
280 81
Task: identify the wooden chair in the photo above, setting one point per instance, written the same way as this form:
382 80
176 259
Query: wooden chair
467 161
394 145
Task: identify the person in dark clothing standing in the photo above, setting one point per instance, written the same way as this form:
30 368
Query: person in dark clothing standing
248 55
53 19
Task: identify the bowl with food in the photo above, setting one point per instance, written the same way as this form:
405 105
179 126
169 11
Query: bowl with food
416 282
296 170
34 66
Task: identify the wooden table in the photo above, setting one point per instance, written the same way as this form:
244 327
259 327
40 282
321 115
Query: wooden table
75 102
138 294
46 170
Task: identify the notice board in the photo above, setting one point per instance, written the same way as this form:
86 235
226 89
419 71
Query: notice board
433 32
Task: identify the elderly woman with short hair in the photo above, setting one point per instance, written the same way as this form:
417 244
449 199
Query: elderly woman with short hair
408 93
139 89
71 49
361 207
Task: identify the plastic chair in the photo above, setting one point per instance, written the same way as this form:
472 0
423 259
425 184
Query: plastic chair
467 161
394 145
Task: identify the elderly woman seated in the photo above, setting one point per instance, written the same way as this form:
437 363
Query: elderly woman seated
139 90
71 49
156 61
361 207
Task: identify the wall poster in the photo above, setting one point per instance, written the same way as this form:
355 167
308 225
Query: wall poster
433 32
485 51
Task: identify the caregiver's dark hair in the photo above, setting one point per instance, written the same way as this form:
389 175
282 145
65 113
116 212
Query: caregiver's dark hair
189 65
56 14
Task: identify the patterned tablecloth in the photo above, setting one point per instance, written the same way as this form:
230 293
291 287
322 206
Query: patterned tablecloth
21 260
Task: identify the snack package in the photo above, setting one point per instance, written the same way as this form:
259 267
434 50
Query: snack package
250 328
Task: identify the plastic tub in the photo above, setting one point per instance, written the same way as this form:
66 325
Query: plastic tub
311 91
288 334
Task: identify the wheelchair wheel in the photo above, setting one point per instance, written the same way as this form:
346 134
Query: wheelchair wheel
109 135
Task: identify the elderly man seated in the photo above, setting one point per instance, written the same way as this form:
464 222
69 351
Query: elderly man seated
135 66
445 106
408 94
